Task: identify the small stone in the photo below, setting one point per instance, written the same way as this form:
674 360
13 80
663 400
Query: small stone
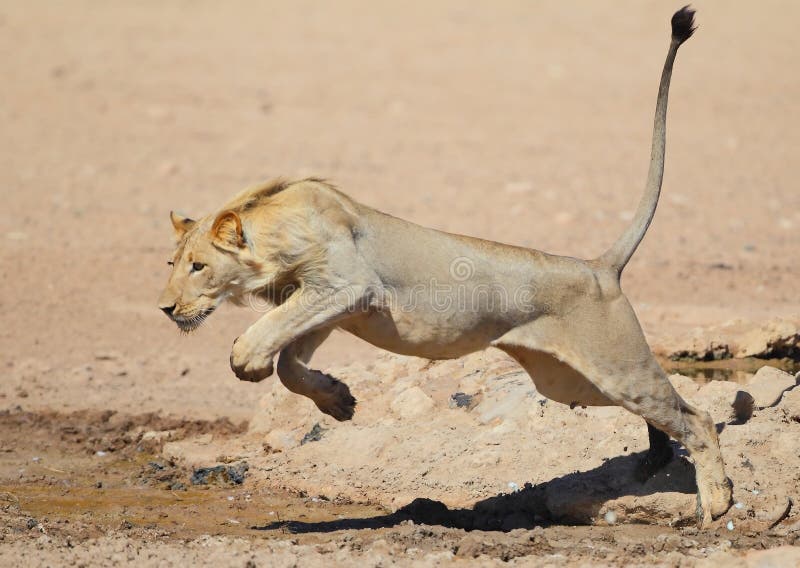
220 475
777 513
313 435
729 525
411 403
610 517
461 400
743 406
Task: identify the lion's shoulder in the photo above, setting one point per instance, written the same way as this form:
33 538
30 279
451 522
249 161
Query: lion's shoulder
260 194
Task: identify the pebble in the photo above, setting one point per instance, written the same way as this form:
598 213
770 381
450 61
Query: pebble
313 435
743 406
729 525
220 475
610 517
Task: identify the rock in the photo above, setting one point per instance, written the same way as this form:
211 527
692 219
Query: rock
775 340
412 402
462 400
790 403
743 406
472 546
775 514
279 406
768 385
220 475
280 440
686 386
717 397
313 435
737 338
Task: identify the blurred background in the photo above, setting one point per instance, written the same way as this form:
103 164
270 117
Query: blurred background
522 122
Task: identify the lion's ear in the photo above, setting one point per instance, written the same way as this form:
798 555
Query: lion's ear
227 231
181 224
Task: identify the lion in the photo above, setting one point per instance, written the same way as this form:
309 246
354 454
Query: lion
324 261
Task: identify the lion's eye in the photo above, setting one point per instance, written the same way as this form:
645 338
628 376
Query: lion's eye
170 263
197 266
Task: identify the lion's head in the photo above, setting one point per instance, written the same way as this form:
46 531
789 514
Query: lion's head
210 265
262 246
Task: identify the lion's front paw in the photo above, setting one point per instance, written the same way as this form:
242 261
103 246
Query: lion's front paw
339 403
248 364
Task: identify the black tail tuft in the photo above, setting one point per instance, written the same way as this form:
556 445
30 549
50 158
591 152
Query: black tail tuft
683 24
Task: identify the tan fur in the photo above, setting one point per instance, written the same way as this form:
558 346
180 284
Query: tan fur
324 261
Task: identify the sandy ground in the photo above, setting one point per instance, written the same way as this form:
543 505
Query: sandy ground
527 123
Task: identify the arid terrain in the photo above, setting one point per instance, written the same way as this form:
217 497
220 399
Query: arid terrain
521 122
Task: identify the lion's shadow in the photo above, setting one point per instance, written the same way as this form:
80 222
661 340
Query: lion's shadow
574 498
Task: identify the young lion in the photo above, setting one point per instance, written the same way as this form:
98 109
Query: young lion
325 261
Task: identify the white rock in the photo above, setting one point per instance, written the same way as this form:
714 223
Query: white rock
412 402
760 341
281 440
768 385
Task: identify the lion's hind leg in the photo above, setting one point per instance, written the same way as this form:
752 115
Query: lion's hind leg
560 382
609 351
331 395
658 455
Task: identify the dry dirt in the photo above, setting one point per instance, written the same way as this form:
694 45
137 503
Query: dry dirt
525 123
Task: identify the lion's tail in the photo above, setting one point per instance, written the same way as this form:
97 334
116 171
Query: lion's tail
620 253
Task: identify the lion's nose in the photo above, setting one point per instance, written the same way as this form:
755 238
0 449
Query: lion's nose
168 309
